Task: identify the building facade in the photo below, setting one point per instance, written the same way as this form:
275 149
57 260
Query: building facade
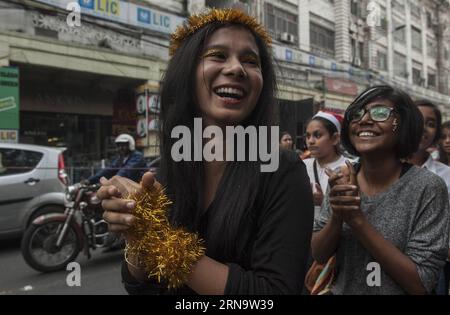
81 86
330 50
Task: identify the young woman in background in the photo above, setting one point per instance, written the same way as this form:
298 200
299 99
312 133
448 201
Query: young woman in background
323 141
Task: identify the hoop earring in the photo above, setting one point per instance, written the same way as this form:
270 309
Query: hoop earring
395 124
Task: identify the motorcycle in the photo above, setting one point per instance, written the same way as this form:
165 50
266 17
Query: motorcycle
53 240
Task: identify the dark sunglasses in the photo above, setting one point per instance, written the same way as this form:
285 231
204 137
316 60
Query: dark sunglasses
378 113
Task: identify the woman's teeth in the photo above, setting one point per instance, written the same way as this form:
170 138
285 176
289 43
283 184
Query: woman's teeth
230 92
366 134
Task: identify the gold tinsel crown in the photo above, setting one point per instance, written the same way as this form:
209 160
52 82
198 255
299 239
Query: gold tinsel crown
197 21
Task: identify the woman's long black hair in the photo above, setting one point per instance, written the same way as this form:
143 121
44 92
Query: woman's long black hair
442 154
184 180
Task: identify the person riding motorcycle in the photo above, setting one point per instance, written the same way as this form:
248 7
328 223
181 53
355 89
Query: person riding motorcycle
130 163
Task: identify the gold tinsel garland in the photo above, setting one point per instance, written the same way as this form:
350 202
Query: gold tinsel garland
197 21
164 252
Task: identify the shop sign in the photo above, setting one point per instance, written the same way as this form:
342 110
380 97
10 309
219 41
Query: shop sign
9 136
148 106
125 12
290 54
341 86
9 104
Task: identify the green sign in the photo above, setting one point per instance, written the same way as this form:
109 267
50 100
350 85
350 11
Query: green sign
9 98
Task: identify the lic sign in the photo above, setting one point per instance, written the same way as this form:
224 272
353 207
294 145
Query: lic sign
147 16
109 7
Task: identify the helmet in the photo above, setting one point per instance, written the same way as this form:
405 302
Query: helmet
126 138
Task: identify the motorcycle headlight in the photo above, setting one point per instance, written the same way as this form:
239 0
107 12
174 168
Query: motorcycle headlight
71 189
94 200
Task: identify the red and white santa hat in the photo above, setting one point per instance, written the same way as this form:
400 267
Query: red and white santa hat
334 118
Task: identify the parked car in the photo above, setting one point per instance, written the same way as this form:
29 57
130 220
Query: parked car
32 183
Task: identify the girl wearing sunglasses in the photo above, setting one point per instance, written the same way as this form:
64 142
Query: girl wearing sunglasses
322 139
385 220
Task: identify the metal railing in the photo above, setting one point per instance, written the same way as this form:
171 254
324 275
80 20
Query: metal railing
75 174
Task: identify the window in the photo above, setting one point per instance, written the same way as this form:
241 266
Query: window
356 8
417 76
415 10
429 19
383 21
322 40
431 48
382 61
353 48
399 31
357 52
400 65
279 21
13 161
361 51
399 5
431 80
416 39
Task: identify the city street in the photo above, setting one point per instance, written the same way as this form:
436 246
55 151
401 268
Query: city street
99 275
301 147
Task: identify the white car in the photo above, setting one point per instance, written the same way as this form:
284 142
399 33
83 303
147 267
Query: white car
32 183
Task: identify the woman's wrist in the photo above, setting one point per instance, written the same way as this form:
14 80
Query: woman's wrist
135 270
356 222
336 220
134 266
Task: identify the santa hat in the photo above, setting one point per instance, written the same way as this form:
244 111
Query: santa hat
334 118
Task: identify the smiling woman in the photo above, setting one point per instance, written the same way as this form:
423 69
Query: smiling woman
383 210
229 77
256 226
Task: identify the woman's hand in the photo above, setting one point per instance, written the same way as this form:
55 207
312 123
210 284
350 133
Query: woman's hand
117 211
344 194
335 178
318 195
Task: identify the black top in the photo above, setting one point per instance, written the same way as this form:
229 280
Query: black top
276 243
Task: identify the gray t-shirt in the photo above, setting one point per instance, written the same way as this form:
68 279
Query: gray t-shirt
414 215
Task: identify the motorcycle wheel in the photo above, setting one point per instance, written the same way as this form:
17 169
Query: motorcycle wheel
39 247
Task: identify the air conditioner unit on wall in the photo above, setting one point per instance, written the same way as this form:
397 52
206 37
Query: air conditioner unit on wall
287 38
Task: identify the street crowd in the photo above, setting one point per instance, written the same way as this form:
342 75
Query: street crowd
369 188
